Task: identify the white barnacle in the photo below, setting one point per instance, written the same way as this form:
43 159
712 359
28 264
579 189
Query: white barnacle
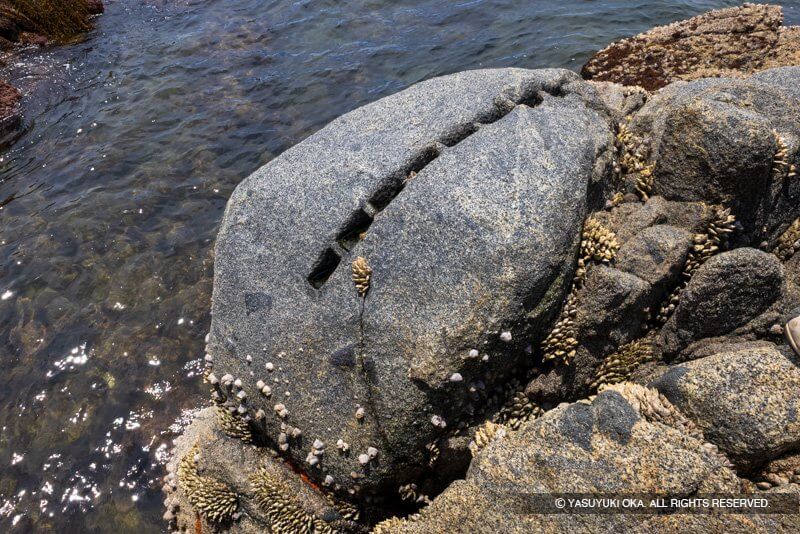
270 366
318 444
372 452
237 383
328 481
266 391
505 336
360 413
456 377
438 421
363 459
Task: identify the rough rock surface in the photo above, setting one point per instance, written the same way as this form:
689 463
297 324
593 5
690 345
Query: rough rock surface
468 215
731 142
746 401
656 255
726 42
240 468
730 290
408 292
613 444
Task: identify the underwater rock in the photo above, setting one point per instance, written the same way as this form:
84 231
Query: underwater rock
464 195
728 291
725 42
744 399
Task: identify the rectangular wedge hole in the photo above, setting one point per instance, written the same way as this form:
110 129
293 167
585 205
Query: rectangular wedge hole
351 231
324 267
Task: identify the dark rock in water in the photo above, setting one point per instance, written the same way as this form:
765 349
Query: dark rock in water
726 42
729 290
657 255
745 400
730 142
628 439
465 197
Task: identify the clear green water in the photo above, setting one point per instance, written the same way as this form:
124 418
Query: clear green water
134 140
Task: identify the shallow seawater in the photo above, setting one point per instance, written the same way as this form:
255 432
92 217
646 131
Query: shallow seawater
111 200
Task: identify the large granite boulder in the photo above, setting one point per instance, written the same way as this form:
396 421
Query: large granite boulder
745 400
730 142
725 42
628 440
464 195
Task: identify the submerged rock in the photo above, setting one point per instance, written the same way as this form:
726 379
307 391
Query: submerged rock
463 197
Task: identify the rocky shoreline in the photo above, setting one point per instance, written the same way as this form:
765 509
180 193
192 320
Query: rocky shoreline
24 23
509 282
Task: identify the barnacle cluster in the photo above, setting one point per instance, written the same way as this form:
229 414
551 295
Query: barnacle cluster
632 160
788 242
212 499
284 514
393 524
618 366
433 453
598 245
485 435
562 341
713 241
517 410
361 275
780 161
410 493
348 511
233 425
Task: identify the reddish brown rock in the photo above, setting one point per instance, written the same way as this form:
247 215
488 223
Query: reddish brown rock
727 42
10 118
